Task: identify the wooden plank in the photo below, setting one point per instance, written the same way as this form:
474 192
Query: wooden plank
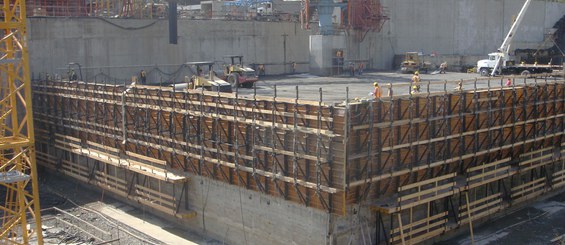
423 201
422 221
483 214
146 158
155 193
424 192
104 147
536 151
474 208
428 229
483 166
539 164
527 188
132 166
484 199
533 182
105 176
535 159
62 144
154 199
496 172
428 181
158 207
67 137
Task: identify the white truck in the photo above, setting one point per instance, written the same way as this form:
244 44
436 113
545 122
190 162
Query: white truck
507 66
501 62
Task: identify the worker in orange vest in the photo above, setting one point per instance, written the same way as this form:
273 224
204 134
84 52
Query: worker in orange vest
377 93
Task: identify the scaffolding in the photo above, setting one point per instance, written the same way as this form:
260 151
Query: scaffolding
147 9
18 173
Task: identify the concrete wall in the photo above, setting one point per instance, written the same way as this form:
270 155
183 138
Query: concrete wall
446 27
235 215
466 27
454 28
54 42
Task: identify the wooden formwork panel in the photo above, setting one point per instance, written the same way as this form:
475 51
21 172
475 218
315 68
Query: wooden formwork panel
471 125
304 151
272 145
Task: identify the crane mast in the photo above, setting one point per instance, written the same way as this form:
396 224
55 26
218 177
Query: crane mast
505 47
18 170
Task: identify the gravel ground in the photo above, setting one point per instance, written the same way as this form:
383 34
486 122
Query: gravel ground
69 216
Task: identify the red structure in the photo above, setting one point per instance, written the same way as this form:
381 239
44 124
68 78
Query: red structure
68 8
361 15
366 15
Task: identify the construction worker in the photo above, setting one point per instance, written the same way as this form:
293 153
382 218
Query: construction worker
351 69
361 68
416 82
142 77
72 75
443 67
377 93
293 66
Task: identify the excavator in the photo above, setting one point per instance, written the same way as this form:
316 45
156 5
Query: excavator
199 80
237 74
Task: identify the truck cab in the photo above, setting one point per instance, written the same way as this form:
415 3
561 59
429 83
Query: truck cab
484 67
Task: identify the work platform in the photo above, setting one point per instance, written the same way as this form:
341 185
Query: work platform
424 164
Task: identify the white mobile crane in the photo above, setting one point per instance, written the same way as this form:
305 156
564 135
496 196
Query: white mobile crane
501 62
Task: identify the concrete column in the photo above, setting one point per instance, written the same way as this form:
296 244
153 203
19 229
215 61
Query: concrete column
322 51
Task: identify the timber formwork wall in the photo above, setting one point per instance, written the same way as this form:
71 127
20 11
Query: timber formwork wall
424 164
276 146
431 163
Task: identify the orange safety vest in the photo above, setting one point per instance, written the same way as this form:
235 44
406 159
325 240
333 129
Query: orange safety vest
377 92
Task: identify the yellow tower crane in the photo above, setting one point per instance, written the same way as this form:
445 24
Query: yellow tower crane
19 210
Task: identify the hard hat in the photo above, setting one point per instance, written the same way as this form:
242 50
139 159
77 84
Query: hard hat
375 84
416 73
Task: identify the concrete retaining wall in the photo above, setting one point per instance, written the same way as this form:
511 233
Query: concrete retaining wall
454 28
265 219
446 27
98 45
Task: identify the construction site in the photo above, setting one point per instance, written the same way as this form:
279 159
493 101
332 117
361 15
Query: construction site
282 122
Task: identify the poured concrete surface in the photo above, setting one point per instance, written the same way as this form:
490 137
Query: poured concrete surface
334 88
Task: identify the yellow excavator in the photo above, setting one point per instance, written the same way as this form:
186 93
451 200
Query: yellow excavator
200 80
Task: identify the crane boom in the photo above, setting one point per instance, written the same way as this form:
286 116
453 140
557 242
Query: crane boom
505 47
